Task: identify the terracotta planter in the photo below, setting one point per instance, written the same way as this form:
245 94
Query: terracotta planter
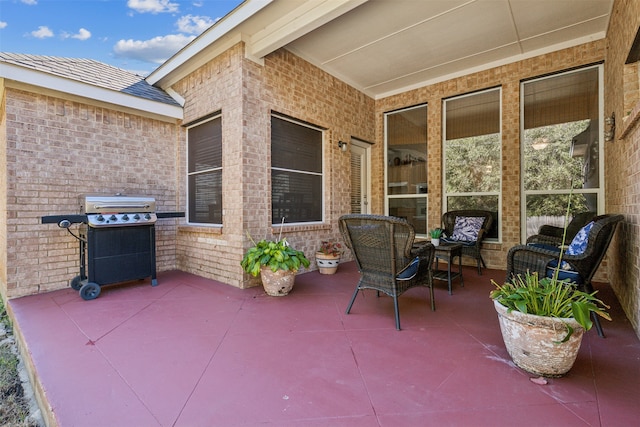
278 283
533 342
327 264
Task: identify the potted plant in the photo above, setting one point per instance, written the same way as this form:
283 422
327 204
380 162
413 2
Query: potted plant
277 264
435 234
328 257
543 320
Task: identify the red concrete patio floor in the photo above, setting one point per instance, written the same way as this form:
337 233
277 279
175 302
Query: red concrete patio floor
195 352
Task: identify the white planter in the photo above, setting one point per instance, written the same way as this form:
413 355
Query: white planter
327 264
534 342
435 242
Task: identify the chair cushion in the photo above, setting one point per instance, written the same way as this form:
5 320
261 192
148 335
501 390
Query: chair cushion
579 243
410 271
467 228
564 273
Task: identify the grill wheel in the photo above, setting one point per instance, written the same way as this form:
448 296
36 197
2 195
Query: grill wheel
89 291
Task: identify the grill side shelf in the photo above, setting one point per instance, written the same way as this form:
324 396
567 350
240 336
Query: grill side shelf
164 215
55 219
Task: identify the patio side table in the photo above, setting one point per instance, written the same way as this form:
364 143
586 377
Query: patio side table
448 252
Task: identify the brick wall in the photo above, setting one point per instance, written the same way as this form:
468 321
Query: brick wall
622 156
58 149
246 93
507 77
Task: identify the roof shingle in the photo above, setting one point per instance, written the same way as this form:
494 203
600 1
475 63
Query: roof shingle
90 72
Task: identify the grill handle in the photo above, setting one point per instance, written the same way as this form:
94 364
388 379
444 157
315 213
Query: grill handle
121 206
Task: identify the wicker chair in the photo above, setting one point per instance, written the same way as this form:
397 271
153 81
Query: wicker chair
523 258
383 250
470 249
552 235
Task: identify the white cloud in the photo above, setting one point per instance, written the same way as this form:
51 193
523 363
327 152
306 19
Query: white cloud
82 34
3 25
156 50
194 24
30 2
152 6
42 33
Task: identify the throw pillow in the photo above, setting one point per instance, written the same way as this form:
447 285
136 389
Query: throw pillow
410 271
467 228
579 243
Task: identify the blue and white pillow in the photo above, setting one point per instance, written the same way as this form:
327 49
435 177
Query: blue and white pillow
579 243
467 228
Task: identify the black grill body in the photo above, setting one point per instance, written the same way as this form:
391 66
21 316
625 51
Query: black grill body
120 254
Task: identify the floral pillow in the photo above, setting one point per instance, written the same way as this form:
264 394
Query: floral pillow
467 228
579 243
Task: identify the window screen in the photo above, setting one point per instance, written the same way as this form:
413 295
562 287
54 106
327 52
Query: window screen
296 172
205 172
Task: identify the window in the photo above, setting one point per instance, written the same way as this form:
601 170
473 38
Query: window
472 154
560 147
406 159
205 171
296 172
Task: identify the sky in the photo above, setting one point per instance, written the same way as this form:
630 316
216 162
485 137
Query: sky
135 35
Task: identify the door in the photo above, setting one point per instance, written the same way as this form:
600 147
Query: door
360 177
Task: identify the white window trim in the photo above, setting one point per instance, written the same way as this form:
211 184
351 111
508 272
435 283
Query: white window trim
444 161
189 174
598 191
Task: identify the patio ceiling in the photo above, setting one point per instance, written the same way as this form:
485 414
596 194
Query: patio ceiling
385 47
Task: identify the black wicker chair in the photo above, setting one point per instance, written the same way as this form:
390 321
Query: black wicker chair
383 250
470 249
523 258
552 235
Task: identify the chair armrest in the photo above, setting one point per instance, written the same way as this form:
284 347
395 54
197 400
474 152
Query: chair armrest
523 258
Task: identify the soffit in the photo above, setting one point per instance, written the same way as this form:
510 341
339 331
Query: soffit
384 47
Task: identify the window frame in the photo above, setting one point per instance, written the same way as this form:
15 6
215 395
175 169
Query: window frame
498 192
599 192
321 174
189 174
419 197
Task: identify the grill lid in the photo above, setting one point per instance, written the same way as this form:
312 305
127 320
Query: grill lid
118 210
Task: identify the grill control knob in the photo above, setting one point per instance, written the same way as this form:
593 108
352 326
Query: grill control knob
113 218
125 217
147 216
99 218
136 217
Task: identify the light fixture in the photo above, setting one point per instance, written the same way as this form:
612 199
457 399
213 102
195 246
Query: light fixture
343 146
610 123
540 143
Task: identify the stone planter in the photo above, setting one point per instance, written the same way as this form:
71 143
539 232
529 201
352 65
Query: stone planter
278 283
533 342
327 264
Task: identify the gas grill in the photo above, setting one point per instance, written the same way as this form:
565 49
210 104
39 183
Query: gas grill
117 240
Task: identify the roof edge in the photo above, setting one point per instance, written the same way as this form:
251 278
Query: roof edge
216 32
11 72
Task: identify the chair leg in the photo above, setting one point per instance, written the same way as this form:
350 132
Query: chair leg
395 306
596 321
588 288
481 262
433 299
353 298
